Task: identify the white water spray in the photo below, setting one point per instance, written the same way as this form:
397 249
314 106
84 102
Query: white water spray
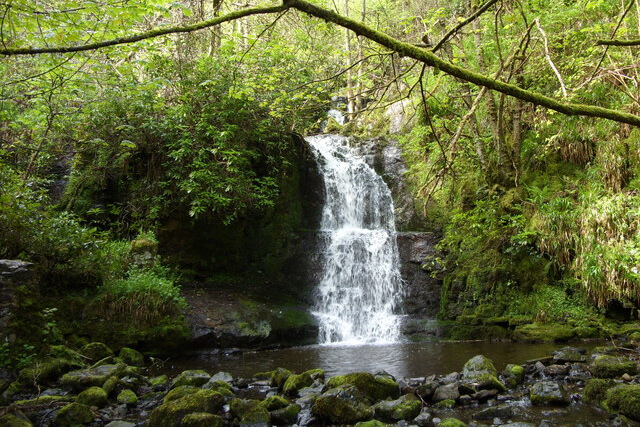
360 282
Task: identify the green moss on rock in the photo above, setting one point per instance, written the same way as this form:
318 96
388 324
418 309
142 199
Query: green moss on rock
44 399
478 365
131 357
202 419
256 416
537 332
371 423
344 404
407 407
446 403
47 371
595 390
220 386
11 420
452 422
241 406
375 388
196 378
95 351
513 375
548 393
624 399
279 377
285 416
73 414
180 392
296 382
82 379
274 402
127 397
611 366
170 414
93 396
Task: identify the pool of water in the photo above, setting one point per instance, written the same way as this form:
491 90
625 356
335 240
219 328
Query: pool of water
400 359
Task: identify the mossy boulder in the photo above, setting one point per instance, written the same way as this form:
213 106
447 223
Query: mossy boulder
446 392
452 422
95 351
180 392
375 388
612 367
624 399
241 406
131 357
202 419
296 382
274 402
48 370
478 365
407 407
513 375
316 374
110 384
196 378
371 423
82 379
127 397
219 386
425 391
446 403
279 377
256 417
570 355
285 416
11 420
73 414
344 404
548 393
93 396
595 390
160 382
170 414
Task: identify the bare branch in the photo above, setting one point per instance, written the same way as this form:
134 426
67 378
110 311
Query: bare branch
547 54
457 28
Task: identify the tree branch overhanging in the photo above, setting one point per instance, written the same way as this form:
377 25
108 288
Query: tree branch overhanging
432 60
618 42
402 48
457 28
147 34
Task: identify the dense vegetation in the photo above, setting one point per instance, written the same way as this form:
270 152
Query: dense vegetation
101 150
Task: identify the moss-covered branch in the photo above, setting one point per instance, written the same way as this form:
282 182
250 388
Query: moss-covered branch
402 48
618 42
145 35
431 59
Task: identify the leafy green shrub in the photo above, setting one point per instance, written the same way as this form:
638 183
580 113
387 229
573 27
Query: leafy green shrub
143 297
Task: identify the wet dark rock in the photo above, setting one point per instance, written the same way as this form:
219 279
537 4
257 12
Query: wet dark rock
556 370
423 419
407 407
73 414
285 416
548 393
344 404
570 355
446 392
196 378
484 395
500 411
426 390
450 378
611 366
374 388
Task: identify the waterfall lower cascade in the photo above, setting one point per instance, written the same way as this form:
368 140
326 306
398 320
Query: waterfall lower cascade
360 283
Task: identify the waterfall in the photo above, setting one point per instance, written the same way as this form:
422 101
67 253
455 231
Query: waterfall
360 284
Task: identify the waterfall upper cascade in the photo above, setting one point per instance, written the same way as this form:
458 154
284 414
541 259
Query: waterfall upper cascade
360 284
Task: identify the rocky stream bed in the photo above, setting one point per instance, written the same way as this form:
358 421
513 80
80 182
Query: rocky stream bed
95 387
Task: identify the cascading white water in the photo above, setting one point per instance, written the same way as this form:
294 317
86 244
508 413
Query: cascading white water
360 282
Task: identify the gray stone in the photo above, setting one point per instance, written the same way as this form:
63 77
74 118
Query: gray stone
222 376
445 392
500 411
548 393
423 419
570 355
120 424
